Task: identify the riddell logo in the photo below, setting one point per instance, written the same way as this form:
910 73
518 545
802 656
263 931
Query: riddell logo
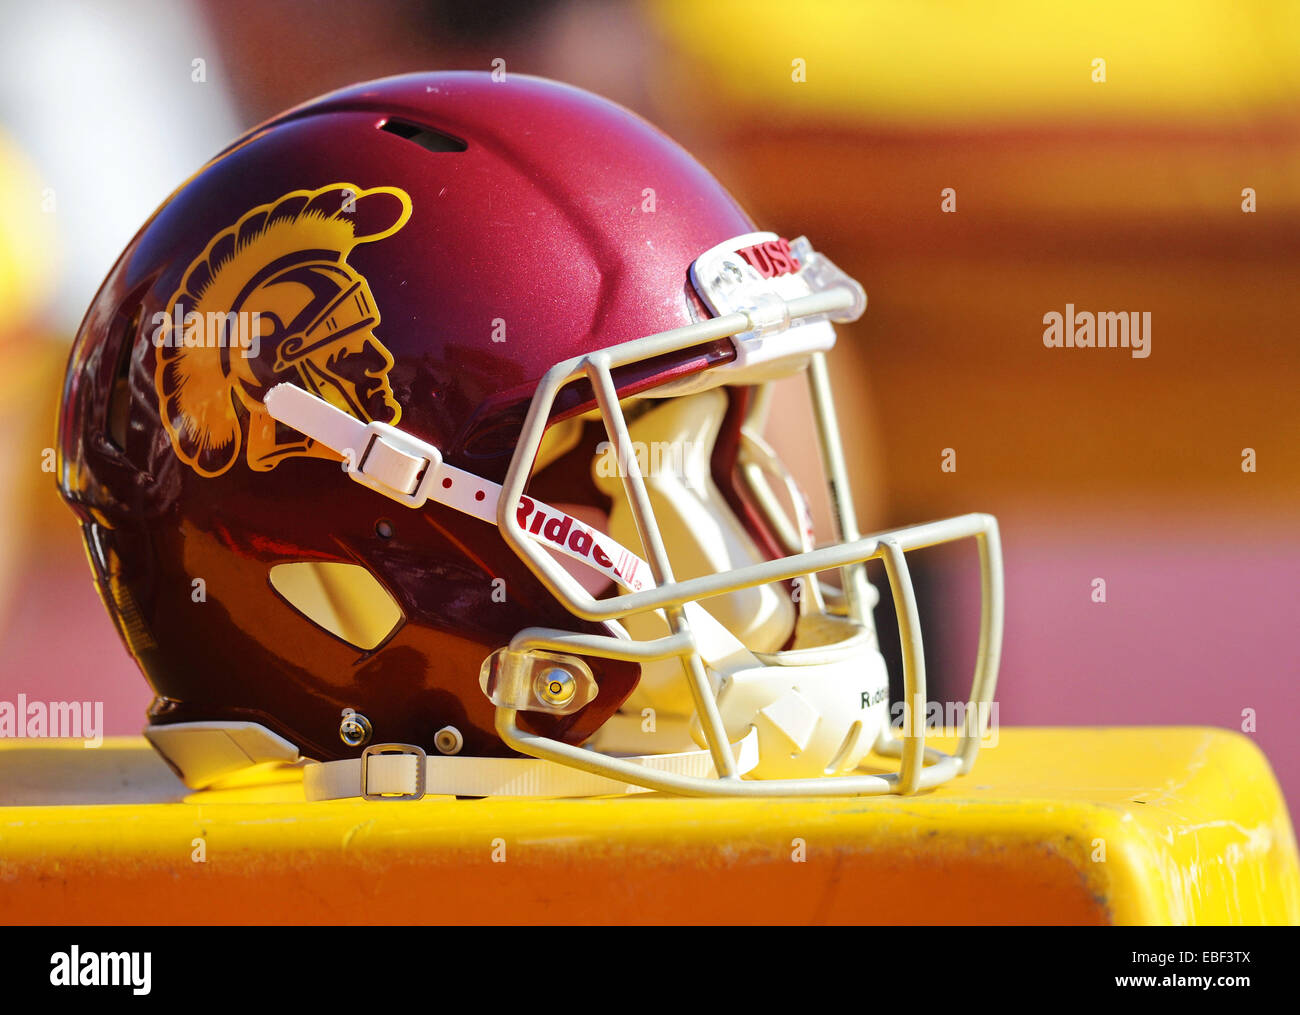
771 258
564 530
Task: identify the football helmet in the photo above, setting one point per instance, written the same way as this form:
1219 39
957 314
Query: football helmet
417 438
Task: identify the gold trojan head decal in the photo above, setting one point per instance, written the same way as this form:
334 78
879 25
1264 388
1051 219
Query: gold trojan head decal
273 299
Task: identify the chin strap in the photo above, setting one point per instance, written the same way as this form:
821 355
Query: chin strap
410 471
405 772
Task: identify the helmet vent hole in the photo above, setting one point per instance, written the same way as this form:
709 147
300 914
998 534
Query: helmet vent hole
431 140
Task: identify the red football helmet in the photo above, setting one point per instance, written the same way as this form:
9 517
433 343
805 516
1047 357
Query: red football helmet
418 435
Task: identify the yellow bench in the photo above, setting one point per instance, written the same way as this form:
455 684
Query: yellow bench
1124 826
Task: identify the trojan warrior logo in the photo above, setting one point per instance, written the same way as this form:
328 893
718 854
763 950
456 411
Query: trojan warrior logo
284 267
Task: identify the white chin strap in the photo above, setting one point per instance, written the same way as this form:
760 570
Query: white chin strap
412 472
399 776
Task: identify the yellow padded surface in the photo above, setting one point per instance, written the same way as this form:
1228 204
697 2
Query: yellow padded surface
1126 825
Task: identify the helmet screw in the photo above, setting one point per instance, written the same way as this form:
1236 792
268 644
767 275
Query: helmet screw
555 687
448 740
355 729
731 270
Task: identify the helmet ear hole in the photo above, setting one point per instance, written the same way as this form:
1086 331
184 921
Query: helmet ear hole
344 599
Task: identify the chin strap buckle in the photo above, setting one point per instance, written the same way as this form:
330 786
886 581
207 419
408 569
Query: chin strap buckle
385 772
392 462
389 461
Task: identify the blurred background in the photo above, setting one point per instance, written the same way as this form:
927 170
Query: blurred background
1116 186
